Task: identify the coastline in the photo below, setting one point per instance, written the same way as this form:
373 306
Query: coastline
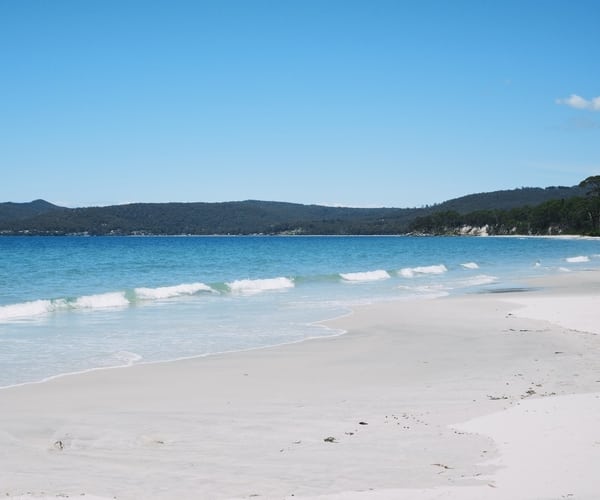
411 397
322 323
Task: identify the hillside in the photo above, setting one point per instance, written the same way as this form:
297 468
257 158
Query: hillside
507 199
249 217
244 217
10 212
579 214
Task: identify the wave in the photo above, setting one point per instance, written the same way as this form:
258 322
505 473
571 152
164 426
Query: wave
366 276
26 310
166 292
111 300
579 258
100 301
249 287
470 265
38 308
411 272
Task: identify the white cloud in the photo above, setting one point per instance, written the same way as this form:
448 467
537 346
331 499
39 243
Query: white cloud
578 102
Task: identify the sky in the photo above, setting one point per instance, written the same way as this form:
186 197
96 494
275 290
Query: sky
356 103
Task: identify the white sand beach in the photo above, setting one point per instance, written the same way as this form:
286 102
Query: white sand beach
479 396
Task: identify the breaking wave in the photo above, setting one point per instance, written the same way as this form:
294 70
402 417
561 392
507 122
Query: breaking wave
380 274
167 292
111 300
411 272
100 301
579 258
37 308
470 265
26 310
248 287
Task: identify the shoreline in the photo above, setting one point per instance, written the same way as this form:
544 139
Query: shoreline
284 235
321 323
389 392
184 358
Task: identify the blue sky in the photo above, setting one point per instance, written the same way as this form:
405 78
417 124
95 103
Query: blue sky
359 103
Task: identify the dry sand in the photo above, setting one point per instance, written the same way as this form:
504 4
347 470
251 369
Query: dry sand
469 397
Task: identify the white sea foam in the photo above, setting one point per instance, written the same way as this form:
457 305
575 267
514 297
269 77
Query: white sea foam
564 269
26 310
380 274
579 258
127 358
432 291
470 265
480 279
39 308
249 287
411 272
165 292
101 301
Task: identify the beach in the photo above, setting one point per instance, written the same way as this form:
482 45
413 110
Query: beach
482 395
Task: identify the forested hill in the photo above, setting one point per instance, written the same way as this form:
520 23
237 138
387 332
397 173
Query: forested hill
507 199
565 215
11 212
249 217
243 217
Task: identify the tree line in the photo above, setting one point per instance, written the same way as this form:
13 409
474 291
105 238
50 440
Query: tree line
551 210
577 215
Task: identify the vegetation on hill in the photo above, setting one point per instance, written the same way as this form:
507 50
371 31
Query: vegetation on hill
518 211
10 212
576 215
507 199
245 217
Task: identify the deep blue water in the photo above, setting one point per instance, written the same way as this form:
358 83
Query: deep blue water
72 303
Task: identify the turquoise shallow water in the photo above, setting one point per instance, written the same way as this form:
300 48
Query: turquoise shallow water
70 304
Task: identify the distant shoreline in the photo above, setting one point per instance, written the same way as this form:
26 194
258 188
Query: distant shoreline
407 235
524 211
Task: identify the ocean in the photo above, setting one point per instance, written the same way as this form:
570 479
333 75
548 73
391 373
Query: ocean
72 304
